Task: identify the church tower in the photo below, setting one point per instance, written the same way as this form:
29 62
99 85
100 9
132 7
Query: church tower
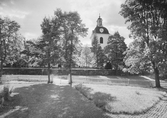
101 33
99 22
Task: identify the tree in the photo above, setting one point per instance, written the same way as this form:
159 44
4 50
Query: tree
147 25
8 40
60 36
14 52
86 57
98 53
49 41
72 28
115 51
30 55
101 57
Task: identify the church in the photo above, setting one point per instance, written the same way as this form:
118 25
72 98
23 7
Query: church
101 33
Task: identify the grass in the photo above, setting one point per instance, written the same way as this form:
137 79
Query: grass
104 91
50 101
121 99
100 99
117 80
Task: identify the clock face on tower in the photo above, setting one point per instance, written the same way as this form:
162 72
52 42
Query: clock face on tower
101 30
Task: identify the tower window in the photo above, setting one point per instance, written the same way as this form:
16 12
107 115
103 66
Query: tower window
101 40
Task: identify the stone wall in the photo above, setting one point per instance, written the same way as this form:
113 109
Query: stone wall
75 71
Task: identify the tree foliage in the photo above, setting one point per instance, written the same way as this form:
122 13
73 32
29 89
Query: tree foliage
147 26
115 50
86 57
30 55
60 38
72 28
9 40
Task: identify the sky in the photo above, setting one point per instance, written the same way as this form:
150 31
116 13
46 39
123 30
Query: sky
30 13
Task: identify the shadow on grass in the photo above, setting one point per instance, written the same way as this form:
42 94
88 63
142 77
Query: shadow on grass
51 101
100 99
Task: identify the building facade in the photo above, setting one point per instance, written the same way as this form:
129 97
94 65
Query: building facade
101 33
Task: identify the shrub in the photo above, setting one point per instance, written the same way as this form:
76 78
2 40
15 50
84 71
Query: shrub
5 94
101 99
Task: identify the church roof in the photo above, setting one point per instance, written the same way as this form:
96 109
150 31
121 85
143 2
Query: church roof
101 30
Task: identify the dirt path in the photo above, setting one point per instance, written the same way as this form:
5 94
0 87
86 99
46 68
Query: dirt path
51 101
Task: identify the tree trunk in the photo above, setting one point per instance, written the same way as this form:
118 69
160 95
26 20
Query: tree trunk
49 72
157 81
49 62
1 64
70 79
1 71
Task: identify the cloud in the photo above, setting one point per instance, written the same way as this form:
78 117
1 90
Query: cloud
128 41
89 11
30 13
29 35
14 13
12 2
1 8
9 10
121 29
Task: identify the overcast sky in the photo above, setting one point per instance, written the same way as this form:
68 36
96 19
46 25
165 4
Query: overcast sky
30 13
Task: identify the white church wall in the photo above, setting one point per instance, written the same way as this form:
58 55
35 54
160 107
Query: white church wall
105 39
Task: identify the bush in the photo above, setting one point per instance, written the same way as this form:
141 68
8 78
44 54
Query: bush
101 99
5 94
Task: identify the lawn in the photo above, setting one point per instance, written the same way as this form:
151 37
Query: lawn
130 95
48 101
111 80
124 99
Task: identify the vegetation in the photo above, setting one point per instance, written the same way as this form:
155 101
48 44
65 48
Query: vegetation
9 42
58 44
60 38
121 99
5 92
99 55
115 51
86 58
147 25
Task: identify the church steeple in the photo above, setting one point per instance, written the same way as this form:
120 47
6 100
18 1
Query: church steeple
99 22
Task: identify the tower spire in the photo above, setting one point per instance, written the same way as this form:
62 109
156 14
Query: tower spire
99 21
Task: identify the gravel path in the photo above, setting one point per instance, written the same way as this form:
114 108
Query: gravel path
51 101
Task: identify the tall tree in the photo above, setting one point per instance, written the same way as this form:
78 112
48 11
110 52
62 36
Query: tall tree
147 21
101 57
8 37
72 29
86 57
61 36
115 50
49 42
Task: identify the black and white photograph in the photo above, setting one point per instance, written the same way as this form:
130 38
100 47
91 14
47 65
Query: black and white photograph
83 58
